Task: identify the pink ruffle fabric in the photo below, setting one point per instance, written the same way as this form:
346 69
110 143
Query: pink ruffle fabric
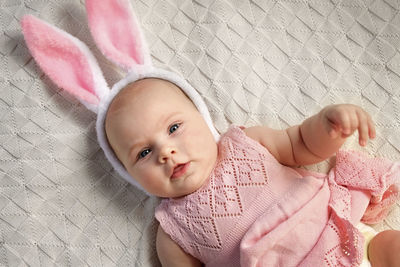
358 188
253 211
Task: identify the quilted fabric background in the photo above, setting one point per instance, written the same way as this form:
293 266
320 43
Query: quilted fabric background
254 62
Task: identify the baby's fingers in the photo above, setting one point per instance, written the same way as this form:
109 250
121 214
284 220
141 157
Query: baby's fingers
348 122
366 128
371 127
334 130
354 122
339 122
363 129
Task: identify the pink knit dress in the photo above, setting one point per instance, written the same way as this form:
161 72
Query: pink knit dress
256 212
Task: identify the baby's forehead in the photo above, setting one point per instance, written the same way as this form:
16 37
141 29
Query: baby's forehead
139 90
149 100
149 91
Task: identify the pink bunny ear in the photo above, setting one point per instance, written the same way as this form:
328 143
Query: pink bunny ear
66 60
117 33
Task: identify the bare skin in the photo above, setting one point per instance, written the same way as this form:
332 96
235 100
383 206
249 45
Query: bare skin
151 146
154 130
384 249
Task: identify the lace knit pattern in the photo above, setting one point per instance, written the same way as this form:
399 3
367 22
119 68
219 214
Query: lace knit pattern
354 177
253 209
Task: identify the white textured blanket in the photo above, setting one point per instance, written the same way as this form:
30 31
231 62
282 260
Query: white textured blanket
253 61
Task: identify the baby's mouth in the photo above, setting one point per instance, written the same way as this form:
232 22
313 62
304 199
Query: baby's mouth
179 170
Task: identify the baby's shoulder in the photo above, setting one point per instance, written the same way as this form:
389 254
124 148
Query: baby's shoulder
240 135
241 142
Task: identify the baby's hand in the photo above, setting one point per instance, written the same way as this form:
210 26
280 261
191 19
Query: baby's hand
343 120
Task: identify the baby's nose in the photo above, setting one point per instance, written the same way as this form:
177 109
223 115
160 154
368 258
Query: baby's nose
166 153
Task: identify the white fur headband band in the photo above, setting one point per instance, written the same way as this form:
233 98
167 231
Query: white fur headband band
71 65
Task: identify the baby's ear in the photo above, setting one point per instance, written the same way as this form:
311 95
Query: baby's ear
117 33
66 60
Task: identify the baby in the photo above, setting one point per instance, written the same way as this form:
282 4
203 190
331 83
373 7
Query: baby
171 153
232 200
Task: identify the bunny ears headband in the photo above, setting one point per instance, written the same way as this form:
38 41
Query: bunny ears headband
71 65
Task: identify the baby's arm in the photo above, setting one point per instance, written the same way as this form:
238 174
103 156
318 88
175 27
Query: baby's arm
170 254
318 137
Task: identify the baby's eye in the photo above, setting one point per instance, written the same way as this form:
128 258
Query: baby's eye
144 153
174 127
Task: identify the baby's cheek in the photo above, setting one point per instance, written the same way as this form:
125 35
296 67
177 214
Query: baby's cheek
195 139
203 145
138 175
147 176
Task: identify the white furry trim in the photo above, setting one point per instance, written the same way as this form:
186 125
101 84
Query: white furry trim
138 73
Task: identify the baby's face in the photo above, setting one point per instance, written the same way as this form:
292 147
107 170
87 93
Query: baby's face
161 138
